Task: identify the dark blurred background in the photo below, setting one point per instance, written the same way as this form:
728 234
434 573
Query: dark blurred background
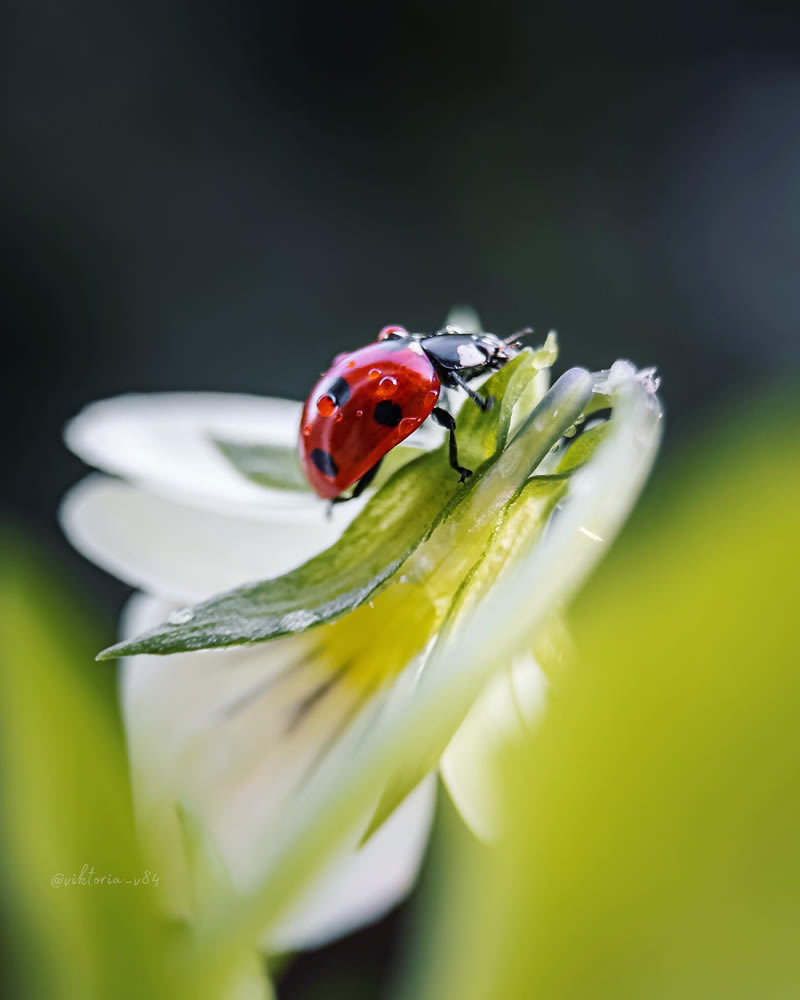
220 196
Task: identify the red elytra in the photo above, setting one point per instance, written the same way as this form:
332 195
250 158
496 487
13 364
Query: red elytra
363 406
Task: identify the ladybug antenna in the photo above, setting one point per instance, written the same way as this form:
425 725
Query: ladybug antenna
518 335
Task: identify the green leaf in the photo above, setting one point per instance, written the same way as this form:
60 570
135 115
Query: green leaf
276 466
372 548
547 355
209 877
523 518
243 973
582 449
391 526
479 438
272 465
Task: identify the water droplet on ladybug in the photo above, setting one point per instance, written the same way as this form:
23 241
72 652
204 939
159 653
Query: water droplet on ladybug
388 331
306 430
339 416
351 364
326 405
374 372
409 424
387 385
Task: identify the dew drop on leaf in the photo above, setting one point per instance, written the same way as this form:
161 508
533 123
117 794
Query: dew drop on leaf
181 616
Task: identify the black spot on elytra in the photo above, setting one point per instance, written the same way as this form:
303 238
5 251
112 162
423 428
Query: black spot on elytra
325 463
339 391
388 413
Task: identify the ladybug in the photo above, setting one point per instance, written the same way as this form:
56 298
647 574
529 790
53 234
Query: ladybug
370 400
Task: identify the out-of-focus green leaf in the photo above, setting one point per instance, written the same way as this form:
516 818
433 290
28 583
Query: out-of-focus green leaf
83 903
652 823
272 465
243 974
277 467
392 525
66 824
209 877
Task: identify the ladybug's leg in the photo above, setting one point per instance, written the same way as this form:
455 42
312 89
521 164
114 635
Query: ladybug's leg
484 403
447 420
360 486
366 479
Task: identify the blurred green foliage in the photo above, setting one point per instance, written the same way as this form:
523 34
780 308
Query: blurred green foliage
653 845
66 813
79 905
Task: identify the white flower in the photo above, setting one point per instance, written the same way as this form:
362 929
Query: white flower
182 524
235 735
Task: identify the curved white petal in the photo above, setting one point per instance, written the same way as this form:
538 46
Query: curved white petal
165 442
362 884
225 733
180 552
507 707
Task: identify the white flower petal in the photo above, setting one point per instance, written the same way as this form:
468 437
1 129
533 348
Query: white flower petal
363 884
165 442
508 705
180 552
219 732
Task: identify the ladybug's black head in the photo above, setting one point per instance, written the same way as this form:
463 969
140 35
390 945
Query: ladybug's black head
496 349
500 350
